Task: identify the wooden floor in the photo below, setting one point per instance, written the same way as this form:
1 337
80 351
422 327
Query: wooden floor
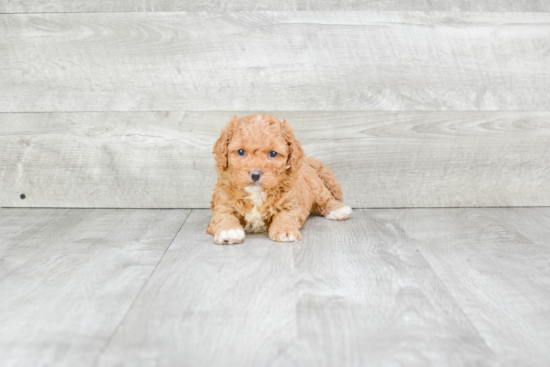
399 287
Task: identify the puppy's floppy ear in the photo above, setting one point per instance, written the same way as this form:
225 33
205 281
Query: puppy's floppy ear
220 148
295 151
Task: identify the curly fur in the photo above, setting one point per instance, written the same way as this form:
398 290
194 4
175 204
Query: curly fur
291 186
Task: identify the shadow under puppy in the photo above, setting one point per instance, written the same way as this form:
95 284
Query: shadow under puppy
265 183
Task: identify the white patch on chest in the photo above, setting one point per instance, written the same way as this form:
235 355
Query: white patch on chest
254 221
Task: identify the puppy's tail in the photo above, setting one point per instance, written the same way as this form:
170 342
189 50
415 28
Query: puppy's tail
326 175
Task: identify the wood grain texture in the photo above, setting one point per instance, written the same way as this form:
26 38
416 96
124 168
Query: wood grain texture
367 297
350 294
500 278
388 287
68 277
26 6
211 305
20 228
533 223
277 60
382 159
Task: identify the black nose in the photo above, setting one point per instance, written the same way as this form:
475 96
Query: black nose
255 175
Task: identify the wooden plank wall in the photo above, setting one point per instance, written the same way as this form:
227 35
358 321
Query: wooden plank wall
26 6
411 103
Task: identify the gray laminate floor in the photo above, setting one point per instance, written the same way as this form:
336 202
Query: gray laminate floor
400 287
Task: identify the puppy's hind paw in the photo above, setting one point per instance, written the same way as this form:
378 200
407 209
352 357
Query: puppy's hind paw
340 213
229 237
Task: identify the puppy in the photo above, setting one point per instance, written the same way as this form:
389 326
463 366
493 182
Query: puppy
265 183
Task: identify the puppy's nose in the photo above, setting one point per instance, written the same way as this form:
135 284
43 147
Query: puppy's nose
255 175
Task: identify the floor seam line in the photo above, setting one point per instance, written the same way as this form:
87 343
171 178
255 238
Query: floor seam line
466 315
108 342
451 295
447 289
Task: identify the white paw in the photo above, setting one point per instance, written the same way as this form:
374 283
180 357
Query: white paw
339 214
229 237
286 238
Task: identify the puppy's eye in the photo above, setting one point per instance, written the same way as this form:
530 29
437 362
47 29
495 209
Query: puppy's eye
273 154
240 152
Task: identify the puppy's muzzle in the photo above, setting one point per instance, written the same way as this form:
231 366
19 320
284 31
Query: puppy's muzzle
255 175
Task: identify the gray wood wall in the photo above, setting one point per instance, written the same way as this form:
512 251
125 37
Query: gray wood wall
411 103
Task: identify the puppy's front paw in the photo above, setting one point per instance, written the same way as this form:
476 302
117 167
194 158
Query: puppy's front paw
229 237
340 213
285 235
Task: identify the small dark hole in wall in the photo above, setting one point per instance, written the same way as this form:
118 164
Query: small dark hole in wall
22 196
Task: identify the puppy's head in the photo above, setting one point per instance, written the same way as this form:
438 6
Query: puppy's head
257 150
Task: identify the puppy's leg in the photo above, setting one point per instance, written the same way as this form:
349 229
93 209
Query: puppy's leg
327 206
326 175
226 228
285 226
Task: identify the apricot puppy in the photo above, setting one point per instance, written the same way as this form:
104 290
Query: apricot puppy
265 183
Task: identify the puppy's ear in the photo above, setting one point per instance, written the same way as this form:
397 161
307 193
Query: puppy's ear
295 151
220 148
